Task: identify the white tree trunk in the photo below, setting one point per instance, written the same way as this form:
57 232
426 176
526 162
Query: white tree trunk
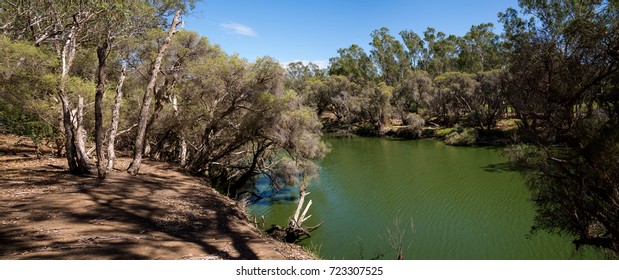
111 154
76 158
182 157
140 139
80 138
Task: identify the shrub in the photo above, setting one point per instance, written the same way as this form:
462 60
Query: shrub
414 120
443 132
16 120
414 125
466 137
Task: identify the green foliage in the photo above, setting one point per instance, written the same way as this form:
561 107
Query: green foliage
298 74
479 49
454 95
439 75
80 86
389 56
444 131
524 155
25 88
465 137
244 121
562 85
490 98
353 63
413 94
375 105
415 47
16 120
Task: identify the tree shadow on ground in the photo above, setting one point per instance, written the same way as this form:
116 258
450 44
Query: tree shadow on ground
126 217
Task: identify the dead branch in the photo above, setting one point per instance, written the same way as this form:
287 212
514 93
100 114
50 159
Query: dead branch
295 231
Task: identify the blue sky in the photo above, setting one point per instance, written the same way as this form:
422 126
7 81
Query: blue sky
314 30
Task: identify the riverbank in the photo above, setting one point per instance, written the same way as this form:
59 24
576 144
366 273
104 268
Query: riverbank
500 135
46 213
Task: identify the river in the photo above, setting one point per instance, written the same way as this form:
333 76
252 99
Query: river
462 202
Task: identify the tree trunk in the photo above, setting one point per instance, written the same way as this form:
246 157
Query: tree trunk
67 121
161 95
78 164
81 132
134 167
102 54
60 139
111 154
70 149
182 157
250 172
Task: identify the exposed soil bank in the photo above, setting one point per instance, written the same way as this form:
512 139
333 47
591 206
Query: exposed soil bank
46 213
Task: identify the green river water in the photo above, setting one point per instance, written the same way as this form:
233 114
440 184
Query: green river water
463 202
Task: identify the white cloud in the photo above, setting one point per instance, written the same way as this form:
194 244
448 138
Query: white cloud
322 64
237 28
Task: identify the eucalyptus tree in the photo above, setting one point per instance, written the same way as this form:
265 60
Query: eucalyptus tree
478 97
316 96
308 82
71 27
389 56
444 52
454 95
242 119
140 139
490 98
429 38
354 63
130 19
63 26
564 65
297 74
440 52
412 94
375 106
479 49
185 48
343 97
114 122
414 47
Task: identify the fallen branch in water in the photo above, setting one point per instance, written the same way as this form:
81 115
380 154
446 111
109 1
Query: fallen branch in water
295 231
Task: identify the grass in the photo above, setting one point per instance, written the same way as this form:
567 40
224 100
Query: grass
313 250
444 131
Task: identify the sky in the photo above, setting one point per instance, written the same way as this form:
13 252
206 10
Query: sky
313 31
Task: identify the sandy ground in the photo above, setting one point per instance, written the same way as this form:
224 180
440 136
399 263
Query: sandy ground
46 213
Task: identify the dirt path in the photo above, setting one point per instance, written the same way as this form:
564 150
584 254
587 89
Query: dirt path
46 213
